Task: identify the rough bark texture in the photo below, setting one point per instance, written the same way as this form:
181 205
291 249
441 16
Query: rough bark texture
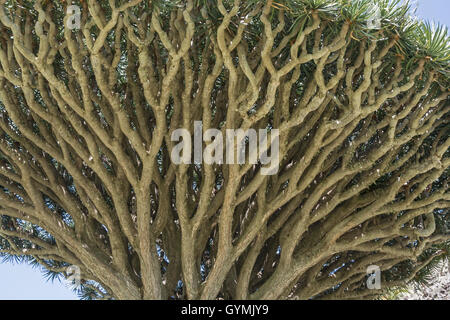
86 177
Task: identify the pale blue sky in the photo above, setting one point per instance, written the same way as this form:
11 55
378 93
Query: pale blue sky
437 10
20 281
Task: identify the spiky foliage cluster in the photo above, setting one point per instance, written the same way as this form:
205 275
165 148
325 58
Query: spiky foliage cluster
359 90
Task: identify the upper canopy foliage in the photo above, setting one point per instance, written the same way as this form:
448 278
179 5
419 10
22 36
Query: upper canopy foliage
369 19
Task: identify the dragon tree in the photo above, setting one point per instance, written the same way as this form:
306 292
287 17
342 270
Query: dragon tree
91 93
